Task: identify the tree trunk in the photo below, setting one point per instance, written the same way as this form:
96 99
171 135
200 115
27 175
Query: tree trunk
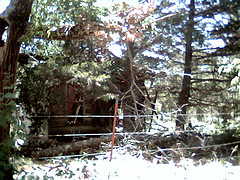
184 95
15 19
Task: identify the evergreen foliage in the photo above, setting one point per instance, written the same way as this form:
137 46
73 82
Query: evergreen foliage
158 51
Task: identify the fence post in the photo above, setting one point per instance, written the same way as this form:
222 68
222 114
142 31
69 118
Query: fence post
114 126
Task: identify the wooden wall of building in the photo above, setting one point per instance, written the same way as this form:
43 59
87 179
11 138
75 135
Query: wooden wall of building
68 103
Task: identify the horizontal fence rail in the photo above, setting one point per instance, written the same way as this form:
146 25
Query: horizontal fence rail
155 151
125 133
132 116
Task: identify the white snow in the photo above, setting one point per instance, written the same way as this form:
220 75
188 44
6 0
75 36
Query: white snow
127 167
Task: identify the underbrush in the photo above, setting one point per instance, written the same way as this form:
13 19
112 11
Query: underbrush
166 156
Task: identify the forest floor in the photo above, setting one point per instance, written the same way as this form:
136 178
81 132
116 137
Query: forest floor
146 157
124 166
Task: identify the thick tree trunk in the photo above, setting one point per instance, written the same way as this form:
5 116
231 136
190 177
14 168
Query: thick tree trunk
184 95
15 19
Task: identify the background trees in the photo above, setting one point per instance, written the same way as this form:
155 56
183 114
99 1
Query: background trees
183 57
204 86
168 54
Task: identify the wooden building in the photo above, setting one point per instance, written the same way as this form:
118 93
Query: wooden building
69 103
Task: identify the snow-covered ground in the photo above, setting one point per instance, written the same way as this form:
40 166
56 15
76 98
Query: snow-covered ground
126 167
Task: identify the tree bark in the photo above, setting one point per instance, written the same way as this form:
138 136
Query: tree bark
15 19
184 95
